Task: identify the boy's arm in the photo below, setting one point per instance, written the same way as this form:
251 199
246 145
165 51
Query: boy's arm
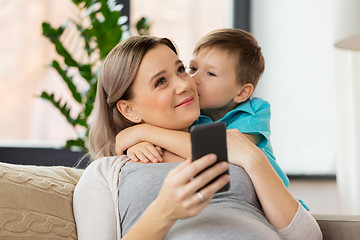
177 142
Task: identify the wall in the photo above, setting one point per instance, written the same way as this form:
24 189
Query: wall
321 196
297 42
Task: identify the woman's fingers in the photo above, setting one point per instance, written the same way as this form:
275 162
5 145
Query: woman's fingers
209 191
207 176
196 167
180 168
199 173
180 197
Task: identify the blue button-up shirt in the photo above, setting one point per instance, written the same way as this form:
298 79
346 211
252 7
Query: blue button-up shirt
253 117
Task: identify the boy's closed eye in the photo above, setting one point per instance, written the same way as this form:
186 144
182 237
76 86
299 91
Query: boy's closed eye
211 74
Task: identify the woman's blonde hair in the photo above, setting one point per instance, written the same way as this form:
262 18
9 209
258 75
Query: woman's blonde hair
115 79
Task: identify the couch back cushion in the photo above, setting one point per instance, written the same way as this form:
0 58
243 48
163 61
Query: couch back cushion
36 202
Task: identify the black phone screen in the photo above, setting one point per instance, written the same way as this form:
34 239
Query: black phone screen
210 138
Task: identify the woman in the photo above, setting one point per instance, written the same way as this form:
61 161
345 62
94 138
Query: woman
143 81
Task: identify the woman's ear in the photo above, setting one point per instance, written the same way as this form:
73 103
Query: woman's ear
244 93
127 110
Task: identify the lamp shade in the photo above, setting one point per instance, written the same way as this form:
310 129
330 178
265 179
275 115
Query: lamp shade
347 24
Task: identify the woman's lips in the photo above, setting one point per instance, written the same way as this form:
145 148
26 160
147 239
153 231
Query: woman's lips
186 102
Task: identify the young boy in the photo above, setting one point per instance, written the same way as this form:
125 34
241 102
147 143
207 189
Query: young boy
227 66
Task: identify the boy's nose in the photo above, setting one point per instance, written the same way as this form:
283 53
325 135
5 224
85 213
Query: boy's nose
195 76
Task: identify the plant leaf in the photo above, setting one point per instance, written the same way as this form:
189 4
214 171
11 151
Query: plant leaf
77 143
85 72
143 26
61 107
100 36
68 79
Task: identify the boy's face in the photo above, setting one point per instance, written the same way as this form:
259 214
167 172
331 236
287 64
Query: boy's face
214 72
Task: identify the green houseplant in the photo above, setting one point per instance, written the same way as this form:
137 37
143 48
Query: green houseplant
100 27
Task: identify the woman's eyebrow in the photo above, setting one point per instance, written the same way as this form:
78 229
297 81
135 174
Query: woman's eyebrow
178 62
157 74
164 71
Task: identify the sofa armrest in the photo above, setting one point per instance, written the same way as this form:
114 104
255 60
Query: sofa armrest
335 227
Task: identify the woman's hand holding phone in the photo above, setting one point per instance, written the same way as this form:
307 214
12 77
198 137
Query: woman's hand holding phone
179 194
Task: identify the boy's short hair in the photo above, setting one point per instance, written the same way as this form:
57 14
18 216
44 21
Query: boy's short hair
240 44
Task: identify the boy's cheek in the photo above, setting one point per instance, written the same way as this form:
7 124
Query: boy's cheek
203 102
210 101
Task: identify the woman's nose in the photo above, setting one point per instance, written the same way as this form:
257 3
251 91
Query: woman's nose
182 85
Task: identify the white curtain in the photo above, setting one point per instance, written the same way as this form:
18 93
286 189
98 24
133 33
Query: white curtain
347 82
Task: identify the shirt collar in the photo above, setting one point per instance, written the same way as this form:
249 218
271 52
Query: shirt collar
242 107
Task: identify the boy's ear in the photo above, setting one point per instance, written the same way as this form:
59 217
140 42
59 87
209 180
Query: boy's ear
244 93
127 110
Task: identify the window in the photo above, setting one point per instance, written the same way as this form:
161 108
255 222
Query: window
29 120
184 22
295 36
26 119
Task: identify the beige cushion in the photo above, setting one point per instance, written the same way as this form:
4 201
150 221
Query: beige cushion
36 202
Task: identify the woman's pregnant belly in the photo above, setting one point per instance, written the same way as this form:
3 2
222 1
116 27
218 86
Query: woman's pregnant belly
224 223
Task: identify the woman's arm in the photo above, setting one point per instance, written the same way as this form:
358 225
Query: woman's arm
255 139
94 206
278 204
302 227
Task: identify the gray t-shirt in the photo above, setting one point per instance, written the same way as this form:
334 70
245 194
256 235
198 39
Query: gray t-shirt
235 214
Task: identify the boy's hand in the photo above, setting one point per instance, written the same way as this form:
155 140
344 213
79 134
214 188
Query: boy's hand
145 152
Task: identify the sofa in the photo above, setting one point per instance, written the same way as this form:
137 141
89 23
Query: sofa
36 203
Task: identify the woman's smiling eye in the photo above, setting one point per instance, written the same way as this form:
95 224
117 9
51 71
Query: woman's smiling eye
181 69
160 82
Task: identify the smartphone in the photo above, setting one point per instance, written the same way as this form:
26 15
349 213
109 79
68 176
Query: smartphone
210 138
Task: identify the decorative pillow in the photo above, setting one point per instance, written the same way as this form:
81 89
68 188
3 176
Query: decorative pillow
36 202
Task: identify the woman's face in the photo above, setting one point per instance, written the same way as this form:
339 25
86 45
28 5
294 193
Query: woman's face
163 93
